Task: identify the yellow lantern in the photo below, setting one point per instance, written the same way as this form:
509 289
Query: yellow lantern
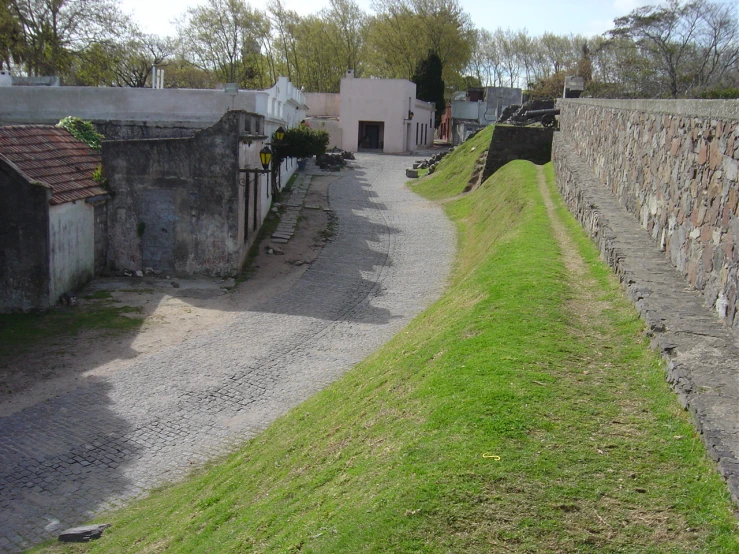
279 134
265 156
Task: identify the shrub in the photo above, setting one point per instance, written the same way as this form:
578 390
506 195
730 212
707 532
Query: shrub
82 130
301 142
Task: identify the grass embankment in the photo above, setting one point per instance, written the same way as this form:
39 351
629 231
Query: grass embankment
511 416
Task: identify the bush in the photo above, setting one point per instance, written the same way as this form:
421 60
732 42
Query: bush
82 130
301 142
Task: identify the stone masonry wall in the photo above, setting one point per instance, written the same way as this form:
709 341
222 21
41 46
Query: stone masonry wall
517 143
673 165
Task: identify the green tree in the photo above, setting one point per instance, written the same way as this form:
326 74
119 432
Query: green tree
429 83
689 44
224 37
403 32
11 35
54 31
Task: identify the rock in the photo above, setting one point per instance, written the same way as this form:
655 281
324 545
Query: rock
411 173
84 533
139 273
415 165
229 283
128 274
278 251
270 251
175 284
298 262
148 270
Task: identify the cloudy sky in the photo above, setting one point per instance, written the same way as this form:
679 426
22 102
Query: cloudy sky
558 16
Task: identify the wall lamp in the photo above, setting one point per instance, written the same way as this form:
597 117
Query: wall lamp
265 157
410 115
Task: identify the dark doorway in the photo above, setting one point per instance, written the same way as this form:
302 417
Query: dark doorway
371 135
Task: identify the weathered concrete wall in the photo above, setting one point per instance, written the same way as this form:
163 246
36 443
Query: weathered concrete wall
673 164
517 143
132 130
47 105
24 242
178 204
71 247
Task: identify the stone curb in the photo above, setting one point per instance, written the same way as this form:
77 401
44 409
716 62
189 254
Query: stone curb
700 353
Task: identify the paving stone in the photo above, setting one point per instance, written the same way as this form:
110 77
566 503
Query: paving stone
172 410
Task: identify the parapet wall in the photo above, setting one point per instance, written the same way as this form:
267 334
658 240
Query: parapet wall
673 164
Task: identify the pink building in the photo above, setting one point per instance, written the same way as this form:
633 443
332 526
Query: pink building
381 115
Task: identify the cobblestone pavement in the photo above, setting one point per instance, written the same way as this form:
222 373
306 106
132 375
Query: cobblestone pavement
109 440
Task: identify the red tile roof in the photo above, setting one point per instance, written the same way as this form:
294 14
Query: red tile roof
54 157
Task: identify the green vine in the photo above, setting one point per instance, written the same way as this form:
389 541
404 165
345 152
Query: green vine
82 130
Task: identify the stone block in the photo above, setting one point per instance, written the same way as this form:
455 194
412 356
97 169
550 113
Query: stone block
84 533
411 173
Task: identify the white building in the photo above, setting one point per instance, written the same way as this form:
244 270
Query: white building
373 114
143 113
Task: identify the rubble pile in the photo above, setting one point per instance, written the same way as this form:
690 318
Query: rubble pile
429 164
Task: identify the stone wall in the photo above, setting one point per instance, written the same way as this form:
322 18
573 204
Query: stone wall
517 143
24 242
673 165
178 204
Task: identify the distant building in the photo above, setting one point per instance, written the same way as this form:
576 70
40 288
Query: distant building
380 115
52 217
475 111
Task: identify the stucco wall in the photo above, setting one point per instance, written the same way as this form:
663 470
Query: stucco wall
323 104
424 115
71 247
49 104
24 242
383 100
178 204
332 126
673 164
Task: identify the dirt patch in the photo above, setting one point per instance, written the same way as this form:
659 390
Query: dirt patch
585 304
476 177
173 310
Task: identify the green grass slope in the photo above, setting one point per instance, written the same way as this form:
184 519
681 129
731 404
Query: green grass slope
508 417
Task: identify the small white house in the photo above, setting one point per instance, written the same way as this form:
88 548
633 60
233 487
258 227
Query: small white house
380 115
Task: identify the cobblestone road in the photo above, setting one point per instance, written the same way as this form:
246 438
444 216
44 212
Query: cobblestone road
109 440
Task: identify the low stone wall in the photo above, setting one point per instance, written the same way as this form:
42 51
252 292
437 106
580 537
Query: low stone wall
518 143
673 164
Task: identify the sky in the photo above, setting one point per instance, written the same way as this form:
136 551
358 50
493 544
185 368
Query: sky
589 17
